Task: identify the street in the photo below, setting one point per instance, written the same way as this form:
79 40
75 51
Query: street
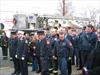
6 67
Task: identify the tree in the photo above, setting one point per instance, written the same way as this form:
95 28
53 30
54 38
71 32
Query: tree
90 13
65 8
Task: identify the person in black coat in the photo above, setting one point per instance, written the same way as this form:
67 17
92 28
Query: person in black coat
33 53
44 45
4 45
21 53
87 43
92 67
12 50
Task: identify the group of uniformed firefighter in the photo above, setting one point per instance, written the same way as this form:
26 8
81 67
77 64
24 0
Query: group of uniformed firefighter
54 51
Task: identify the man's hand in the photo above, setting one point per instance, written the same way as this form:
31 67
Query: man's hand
69 58
23 58
15 56
55 58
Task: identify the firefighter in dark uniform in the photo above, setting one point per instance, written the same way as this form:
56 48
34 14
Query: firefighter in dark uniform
87 43
38 70
79 49
69 37
13 49
21 53
48 36
92 66
75 46
64 49
54 38
45 52
33 53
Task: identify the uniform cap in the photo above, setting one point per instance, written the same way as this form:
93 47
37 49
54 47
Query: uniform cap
40 32
20 32
13 32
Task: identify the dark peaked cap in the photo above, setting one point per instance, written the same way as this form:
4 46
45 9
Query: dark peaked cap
40 32
13 32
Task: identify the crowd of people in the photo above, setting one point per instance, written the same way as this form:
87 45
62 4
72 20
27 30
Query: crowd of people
54 50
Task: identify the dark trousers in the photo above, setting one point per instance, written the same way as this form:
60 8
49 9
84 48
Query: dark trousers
77 57
84 56
38 63
50 64
44 66
16 65
62 63
34 64
55 67
23 67
69 65
80 60
4 52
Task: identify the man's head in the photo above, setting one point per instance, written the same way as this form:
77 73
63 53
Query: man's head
61 35
40 34
53 31
89 29
46 31
20 34
74 32
13 34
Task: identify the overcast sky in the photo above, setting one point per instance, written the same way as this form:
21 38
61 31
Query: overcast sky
45 6
50 7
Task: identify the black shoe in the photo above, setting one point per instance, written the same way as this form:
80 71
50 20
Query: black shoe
56 74
79 68
5 58
17 73
13 73
38 71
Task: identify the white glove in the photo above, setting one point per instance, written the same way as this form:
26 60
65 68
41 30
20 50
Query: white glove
85 69
10 58
55 58
16 56
34 54
69 58
22 58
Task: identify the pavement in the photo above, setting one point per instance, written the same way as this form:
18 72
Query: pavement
6 67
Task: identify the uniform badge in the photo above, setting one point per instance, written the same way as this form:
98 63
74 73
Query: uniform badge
34 47
48 42
26 41
64 44
55 39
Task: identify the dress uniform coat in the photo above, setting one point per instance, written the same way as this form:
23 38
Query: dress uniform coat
33 49
93 62
64 51
70 62
54 53
87 43
38 55
45 53
21 55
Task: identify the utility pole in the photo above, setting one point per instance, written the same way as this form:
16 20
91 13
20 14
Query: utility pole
63 7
